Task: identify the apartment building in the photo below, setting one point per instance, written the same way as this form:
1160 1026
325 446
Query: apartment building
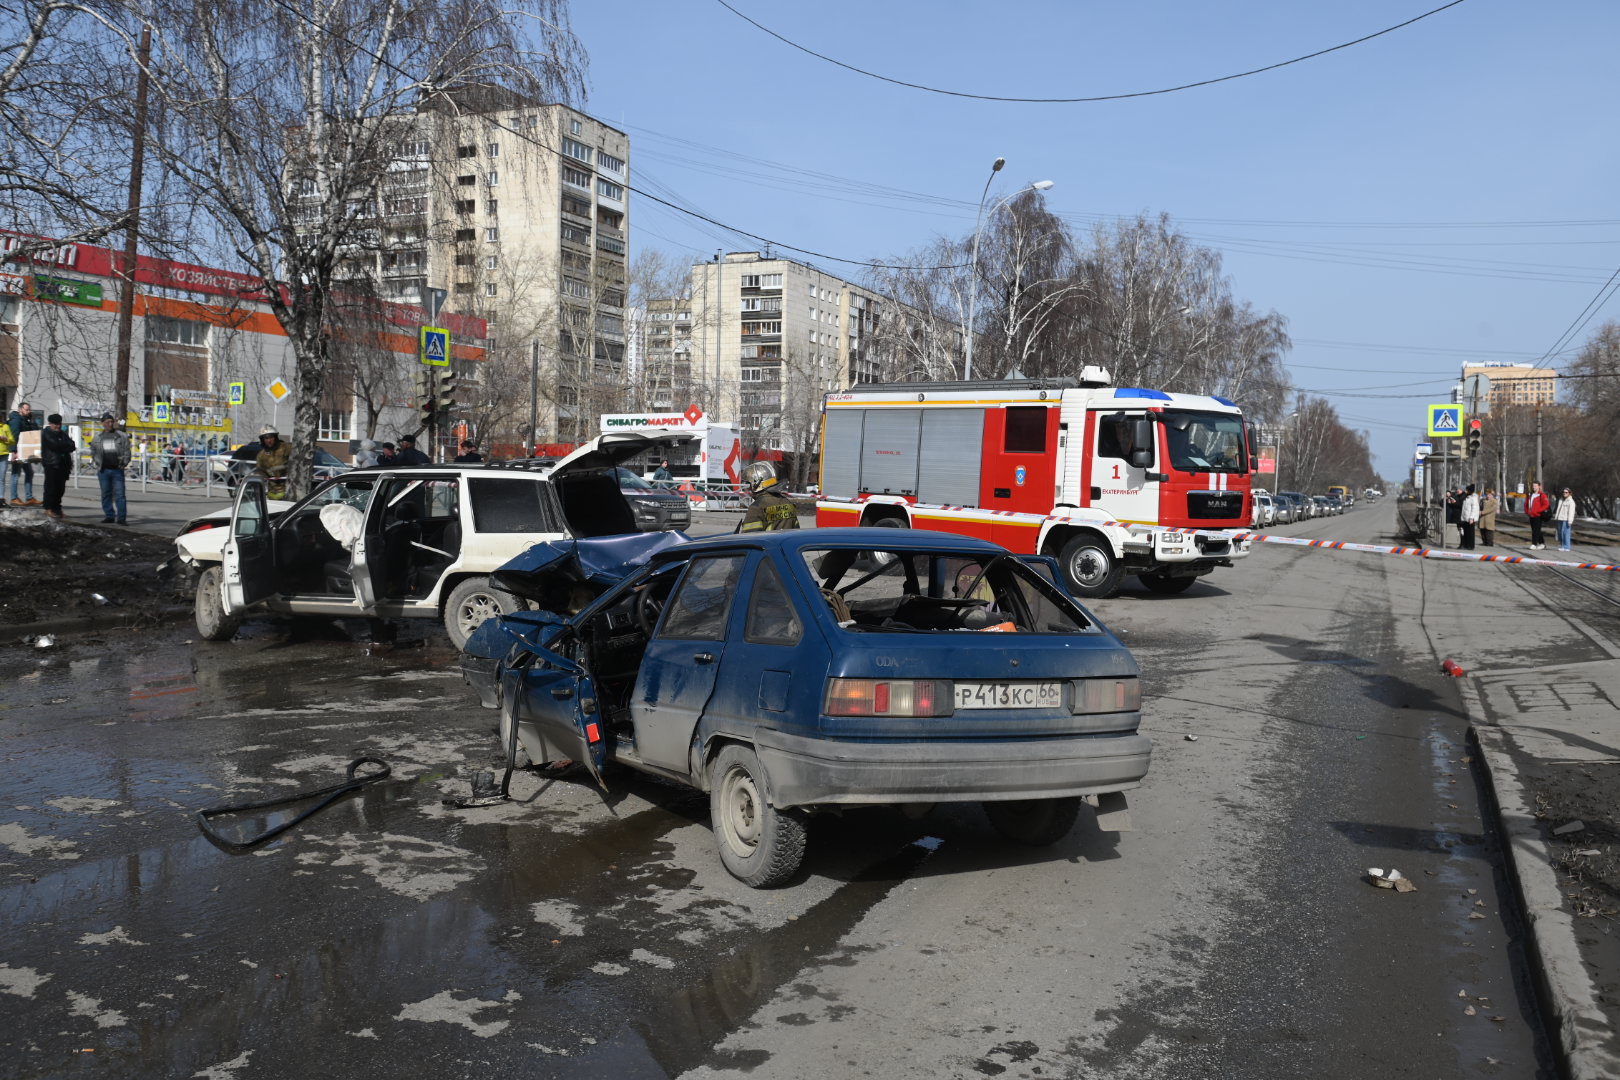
516 213
767 337
1515 384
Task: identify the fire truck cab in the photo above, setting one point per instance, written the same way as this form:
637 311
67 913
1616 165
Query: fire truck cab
1108 480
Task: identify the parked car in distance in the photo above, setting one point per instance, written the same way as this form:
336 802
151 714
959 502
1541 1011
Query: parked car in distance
789 673
409 541
1265 511
1304 508
656 507
228 468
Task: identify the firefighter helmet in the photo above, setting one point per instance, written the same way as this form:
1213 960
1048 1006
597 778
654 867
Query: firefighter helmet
759 475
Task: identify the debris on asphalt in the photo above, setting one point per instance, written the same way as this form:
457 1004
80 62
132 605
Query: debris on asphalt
1390 879
1587 851
1469 1010
1476 915
43 641
1190 738
1569 827
1454 669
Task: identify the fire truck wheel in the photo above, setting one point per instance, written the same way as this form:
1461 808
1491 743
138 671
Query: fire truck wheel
1160 583
1090 566
867 561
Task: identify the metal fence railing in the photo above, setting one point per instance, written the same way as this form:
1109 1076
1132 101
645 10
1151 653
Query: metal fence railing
156 470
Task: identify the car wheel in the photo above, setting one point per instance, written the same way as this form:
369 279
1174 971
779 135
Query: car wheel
873 560
760 845
213 624
472 603
1161 583
1090 566
1033 822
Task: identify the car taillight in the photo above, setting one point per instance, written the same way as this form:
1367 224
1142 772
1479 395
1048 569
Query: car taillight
1107 695
889 697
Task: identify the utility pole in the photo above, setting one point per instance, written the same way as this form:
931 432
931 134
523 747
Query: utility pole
1538 448
534 394
132 233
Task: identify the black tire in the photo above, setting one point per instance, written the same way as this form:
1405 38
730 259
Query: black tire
867 561
1033 822
1090 566
208 605
760 845
473 602
1161 583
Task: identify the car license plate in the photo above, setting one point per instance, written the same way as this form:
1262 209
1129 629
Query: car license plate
1009 695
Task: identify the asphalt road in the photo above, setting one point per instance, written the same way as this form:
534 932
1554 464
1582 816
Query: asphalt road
574 934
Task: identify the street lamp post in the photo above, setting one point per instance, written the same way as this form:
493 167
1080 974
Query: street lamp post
1281 434
973 263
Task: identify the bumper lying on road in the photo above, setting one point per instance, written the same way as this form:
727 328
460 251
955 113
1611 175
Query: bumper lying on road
808 771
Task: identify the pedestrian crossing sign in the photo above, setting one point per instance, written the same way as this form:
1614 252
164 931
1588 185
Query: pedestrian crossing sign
435 346
238 393
1446 421
160 412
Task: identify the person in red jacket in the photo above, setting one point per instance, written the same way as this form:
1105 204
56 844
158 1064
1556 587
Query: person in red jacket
1538 510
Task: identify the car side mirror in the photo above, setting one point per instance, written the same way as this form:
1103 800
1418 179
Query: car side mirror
1141 459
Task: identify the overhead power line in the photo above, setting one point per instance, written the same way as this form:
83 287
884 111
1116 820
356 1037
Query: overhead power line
1588 313
1095 97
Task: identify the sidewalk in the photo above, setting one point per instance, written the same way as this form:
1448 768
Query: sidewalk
1542 656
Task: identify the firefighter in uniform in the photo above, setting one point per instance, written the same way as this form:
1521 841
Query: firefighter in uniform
772 509
274 457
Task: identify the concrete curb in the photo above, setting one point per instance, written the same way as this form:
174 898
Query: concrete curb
1580 1026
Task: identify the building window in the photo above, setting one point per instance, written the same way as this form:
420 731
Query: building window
770 281
464 235
491 205
575 126
466 260
492 262
576 177
334 427
466 181
177 331
607 161
466 206
401 207
493 149
752 374
571 287
576 234
608 189
463 288
414 148
492 178
534 121
492 233
466 151
607 243
576 150
490 289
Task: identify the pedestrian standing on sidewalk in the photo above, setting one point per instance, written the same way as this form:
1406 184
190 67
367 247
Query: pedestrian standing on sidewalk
1538 510
21 420
110 455
1564 517
408 454
8 447
1468 517
1488 506
56 451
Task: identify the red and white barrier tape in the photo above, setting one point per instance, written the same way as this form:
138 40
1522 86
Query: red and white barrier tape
1421 553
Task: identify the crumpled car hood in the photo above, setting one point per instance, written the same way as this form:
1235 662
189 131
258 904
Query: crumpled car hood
548 572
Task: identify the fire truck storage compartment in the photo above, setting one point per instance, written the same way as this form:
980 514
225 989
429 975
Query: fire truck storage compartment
934 455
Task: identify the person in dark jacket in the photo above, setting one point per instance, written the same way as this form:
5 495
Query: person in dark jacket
771 509
110 455
408 453
469 453
56 454
22 419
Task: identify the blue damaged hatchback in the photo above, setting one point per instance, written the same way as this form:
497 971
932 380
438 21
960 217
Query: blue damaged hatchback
790 672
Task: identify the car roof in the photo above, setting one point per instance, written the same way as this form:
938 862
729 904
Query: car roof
795 540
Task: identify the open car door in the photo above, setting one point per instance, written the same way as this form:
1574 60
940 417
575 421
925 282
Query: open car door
557 699
249 555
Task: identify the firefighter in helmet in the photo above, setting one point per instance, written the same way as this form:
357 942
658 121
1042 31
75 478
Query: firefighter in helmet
274 456
772 509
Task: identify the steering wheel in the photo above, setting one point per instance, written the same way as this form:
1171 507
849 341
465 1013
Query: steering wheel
650 605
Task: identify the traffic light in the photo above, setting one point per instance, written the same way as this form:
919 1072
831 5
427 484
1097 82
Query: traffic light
444 394
423 384
1474 435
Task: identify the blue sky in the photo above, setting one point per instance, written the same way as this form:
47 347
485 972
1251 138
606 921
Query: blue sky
1393 200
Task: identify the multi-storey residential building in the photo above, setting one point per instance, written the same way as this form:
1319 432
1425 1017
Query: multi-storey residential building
519 213
1515 384
768 337
664 359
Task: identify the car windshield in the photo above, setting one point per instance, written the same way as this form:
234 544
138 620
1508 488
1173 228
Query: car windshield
940 592
629 481
1205 442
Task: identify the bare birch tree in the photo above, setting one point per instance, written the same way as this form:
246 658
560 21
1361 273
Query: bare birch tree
281 121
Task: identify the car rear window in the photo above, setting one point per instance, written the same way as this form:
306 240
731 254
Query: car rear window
940 592
509 504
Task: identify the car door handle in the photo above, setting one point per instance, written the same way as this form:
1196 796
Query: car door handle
704 658
562 693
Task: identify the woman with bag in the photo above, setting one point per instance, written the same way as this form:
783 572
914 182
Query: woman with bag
1538 511
1564 516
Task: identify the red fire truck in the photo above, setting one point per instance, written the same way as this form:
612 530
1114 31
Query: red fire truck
1109 480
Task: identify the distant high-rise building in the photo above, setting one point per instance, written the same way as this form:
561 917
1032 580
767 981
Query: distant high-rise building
768 337
1515 384
519 212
